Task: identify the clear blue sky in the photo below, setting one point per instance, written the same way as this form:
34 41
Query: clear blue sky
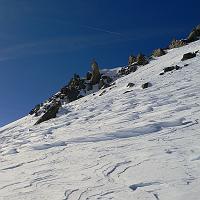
43 42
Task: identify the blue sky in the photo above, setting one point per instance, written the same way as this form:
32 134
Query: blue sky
44 42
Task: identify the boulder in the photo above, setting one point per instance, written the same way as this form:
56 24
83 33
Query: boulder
50 113
188 56
127 70
194 35
177 43
142 60
168 69
132 59
158 52
146 85
130 85
95 73
88 75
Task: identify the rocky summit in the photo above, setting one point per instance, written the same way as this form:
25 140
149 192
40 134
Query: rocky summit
123 133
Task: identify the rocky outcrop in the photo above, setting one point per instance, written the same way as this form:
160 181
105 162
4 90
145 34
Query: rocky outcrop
127 70
51 113
88 76
75 89
194 35
169 69
177 43
79 87
142 60
132 59
104 82
95 73
158 52
188 56
146 85
130 85
35 109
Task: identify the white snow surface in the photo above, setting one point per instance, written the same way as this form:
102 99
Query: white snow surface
142 144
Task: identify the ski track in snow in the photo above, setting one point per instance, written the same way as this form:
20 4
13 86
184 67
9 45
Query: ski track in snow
125 144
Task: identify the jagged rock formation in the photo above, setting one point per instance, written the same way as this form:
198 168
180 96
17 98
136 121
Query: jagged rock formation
80 87
132 59
194 35
75 89
95 73
51 113
158 52
142 60
127 70
105 81
177 43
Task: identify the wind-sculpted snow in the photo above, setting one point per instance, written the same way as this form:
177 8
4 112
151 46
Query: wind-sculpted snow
128 143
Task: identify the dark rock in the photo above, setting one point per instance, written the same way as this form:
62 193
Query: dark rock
188 56
194 35
105 82
88 75
132 59
128 91
127 70
35 109
102 93
171 68
142 60
95 73
146 85
108 79
168 69
158 52
177 67
89 87
77 83
65 90
50 113
132 68
73 94
130 85
177 43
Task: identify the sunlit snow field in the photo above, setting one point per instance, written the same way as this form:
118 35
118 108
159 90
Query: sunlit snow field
129 143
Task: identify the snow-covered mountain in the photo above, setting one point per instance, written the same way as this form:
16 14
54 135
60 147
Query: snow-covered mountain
118 143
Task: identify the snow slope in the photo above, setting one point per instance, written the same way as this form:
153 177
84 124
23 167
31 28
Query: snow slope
127 144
